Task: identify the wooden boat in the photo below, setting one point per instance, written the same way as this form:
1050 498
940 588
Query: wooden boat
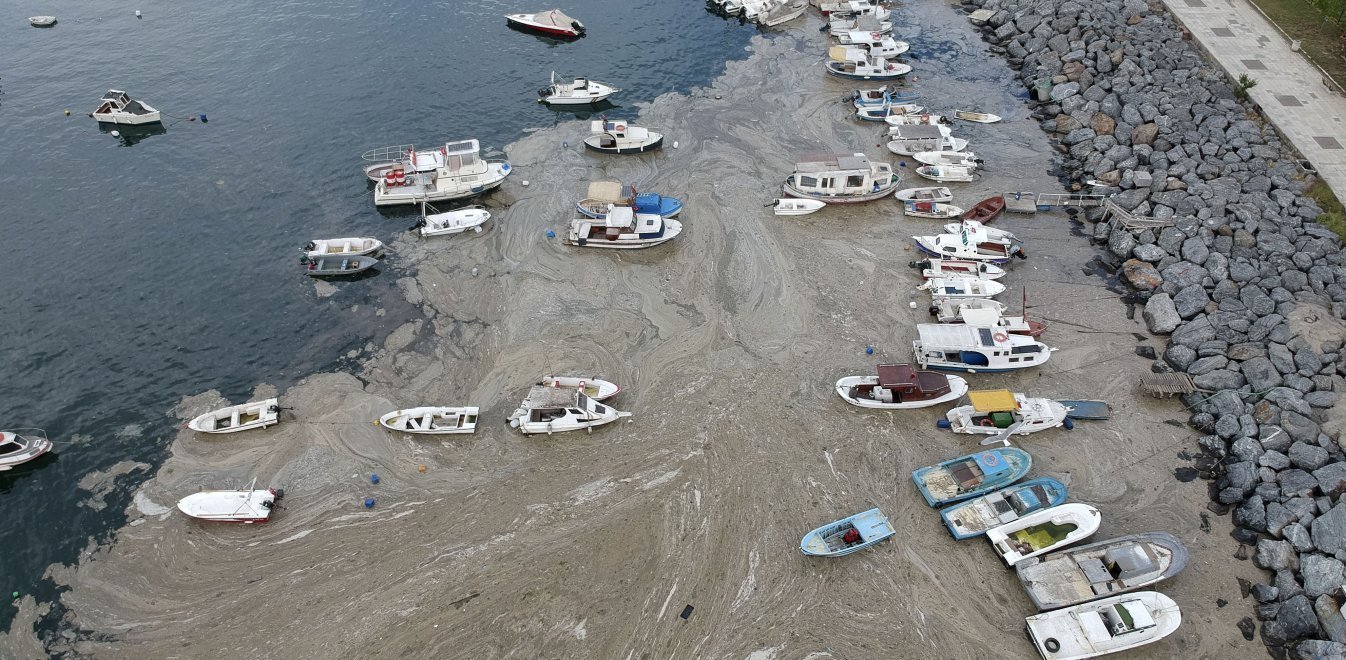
857 64
963 311
936 267
603 194
42 21
458 172
343 247
966 477
937 194
432 420
622 229
850 534
552 22
579 91
558 409
979 117
986 210
241 506
947 173
242 417
19 446
899 387
992 411
959 288
791 206
959 347
884 111
594 388
954 158
1042 531
782 13
1104 626
975 516
841 179
117 108
452 222
1086 409
932 210
924 119
1106 568
337 266
620 137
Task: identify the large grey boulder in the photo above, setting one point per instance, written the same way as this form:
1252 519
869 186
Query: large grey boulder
1190 301
1297 618
1161 317
1275 555
1307 457
1321 574
1329 530
1262 375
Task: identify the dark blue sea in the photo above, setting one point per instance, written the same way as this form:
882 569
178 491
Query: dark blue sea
161 263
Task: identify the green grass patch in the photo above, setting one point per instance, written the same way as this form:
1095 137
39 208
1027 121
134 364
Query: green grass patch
1334 216
1320 37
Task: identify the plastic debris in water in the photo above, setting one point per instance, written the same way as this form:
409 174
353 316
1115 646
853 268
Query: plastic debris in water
137 13
869 350
551 234
374 478
686 612
422 467
115 134
369 502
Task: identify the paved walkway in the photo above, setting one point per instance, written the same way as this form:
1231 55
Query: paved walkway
1291 91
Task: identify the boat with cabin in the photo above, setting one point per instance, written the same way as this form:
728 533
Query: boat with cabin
882 95
936 194
965 311
620 137
908 139
980 232
456 221
459 172
116 107
856 9
860 24
841 178
900 387
945 157
969 245
621 228
552 22
603 194
850 534
960 347
857 64
947 173
242 417
551 410
594 388
782 13
1107 568
973 517
961 288
337 265
992 411
579 91
240 506
936 267
1110 625
19 446
1042 531
966 477
876 44
343 247
432 420
931 210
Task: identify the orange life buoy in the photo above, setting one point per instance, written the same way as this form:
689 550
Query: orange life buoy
987 422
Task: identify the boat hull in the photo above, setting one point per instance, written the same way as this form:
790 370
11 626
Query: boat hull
594 388
872 526
1053 414
1085 520
886 75
792 191
1058 579
518 21
127 119
636 149
935 194
34 447
243 417
957 388
237 506
1058 635
414 420
934 483
385 195
671 230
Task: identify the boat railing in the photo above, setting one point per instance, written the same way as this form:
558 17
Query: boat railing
395 152
26 429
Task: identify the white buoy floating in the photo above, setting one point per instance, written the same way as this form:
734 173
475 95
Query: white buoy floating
137 13
115 134
525 183
675 144
913 304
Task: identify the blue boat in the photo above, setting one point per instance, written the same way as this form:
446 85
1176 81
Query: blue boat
603 194
847 535
965 477
882 96
974 517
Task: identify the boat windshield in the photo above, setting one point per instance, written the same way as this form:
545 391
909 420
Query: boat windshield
10 447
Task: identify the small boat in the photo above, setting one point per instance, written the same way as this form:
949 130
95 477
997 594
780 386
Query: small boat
992 411
882 96
552 22
791 206
620 137
861 24
242 417
857 9
1093 410
841 178
18 446
956 158
117 108
946 173
936 267
986 210
963 311
953 311
452 222
966 477
900 387
959 288
1106 568
967 242
908 139
42 21
594 388
1104 626
603 194
939 195
959 347
432 420
557 409
782 13
622 228
976 231
924 119
975 516
847 535
241 506
932 210
580 91
1042 531
342 247
337 266
979 117
876 44
857 64
883 112
458 172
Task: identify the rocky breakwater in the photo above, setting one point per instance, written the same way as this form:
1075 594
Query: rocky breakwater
1213 232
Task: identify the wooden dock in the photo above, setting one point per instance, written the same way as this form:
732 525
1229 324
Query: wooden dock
1130 220
1032 202
1165 386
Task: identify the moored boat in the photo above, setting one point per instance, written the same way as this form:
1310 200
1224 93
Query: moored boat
459 172
620 137
1042 531
116 107
241 506
1107 568
782 13
881 112
850 534
992 411
608 193
242 417
1104 626
986 210
952 311
947 173
936 267
621 228
882 95
960 288
42 21
965 477
594 388
973 517
862 24
558 409
978 117
963 311
944 157
970 243
337 265
841 178
924 119
932 210
936 194
977 231
908 139
579 91
793 206
339 247
432 420
901 386
857 64
19 446
456 221
876 44
959 347
552 22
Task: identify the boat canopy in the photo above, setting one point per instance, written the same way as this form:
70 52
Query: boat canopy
990 463
918 132
956 336
116 95
984 401
608 191
554 17
620 217
1130 561
896 376
832 163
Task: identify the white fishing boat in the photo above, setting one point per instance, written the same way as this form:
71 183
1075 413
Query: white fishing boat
555 410
620 137
594 388
117 108
861 24
961 288
1104 626
991 411
462 173
856 9
241 506
841 178
242 417
42 21
754 9
452 222
551 22
899 387
876 44
936 194
968 243
857 64
622 229
977 231
337 247
792 206
978 117
959 347
947 173
936 267
579 91
882 111
908 139
955 311
782 13
932 210
432 420
944 157
925 119
19 446
1042 531
1107 568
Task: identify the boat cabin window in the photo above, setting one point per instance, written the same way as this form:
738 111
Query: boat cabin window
807 181
574 411
8 447
1031 348
855 181
598 408
546 414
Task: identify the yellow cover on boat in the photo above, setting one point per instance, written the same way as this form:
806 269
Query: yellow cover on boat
992 400
608 191
837 53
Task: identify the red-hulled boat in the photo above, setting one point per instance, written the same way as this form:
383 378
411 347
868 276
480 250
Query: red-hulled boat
552 22
986 210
